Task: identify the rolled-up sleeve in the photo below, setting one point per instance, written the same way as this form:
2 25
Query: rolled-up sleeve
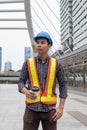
61 81
23 77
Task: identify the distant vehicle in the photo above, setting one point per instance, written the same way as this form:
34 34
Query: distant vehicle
78 77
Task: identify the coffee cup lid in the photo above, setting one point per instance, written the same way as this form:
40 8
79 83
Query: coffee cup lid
34 88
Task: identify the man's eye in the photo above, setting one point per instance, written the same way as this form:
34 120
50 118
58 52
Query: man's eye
40 42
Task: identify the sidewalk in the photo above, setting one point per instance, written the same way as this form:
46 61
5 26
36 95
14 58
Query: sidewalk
12 105
78 88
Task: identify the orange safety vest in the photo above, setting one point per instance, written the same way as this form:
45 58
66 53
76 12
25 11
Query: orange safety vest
46 97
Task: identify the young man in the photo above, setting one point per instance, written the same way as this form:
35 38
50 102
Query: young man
42 72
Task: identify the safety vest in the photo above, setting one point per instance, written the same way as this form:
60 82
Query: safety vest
46 97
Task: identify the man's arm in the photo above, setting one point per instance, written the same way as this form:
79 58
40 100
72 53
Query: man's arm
23 77
59 110
62 91
62 103
22 83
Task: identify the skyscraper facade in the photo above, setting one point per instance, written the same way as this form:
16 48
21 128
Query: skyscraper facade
66 24
8 66
73 15
0 58
27 52
79 16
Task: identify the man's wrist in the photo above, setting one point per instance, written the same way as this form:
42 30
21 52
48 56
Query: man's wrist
61 107
24 90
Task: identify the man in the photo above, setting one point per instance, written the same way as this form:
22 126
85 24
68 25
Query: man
42 72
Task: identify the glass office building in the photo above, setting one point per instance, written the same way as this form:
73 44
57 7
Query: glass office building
27 52
66 24
73 15
8 66
79 16
0 58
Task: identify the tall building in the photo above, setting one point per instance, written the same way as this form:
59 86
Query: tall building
8 66
79 16
66 24
0 58
73 15
27 53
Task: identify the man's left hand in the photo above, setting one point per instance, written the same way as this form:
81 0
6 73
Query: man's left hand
58 113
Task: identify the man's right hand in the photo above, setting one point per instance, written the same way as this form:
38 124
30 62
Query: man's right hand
29 93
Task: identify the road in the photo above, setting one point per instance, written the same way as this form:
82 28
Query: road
12 105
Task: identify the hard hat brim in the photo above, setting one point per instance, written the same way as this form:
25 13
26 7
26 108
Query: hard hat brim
36 38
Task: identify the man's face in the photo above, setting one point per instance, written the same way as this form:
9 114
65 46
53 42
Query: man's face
42 46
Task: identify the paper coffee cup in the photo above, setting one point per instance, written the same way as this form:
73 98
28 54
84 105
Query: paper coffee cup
35 90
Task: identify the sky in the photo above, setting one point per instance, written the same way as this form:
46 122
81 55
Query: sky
14 41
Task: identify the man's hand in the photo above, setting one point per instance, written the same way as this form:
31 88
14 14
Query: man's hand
29 93
58 113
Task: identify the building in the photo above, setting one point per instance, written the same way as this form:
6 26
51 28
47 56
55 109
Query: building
73 16
8 66
79 16
27 52
66 24
0 58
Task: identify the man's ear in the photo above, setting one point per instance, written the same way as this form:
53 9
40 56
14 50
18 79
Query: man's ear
49 45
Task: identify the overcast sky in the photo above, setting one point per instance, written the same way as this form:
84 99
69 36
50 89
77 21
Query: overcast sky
14 41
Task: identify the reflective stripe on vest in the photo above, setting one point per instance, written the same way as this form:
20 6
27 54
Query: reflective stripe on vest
33 79
47 97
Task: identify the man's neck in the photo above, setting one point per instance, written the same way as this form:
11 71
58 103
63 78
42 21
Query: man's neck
43 57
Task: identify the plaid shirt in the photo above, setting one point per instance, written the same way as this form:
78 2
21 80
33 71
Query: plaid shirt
42 68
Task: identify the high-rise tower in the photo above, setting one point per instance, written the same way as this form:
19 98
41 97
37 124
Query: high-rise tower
73 15
66 24
0 58
27 53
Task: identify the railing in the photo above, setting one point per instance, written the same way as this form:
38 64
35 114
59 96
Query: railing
9 77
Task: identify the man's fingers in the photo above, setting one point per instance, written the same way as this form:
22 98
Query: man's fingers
57 114
54 116
31 95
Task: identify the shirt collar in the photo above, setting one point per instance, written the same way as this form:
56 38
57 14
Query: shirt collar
40 61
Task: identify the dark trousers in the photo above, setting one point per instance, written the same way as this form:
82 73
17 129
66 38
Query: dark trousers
32 120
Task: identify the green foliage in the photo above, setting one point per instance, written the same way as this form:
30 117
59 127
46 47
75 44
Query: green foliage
68 74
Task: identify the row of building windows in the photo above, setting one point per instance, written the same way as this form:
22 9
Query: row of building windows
66 35
80 34
65 11
81 22
66 20
80 15
76 11
64 6
63 2
78 26
74 3
78 29
77 5
81 41
65 25
67 15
